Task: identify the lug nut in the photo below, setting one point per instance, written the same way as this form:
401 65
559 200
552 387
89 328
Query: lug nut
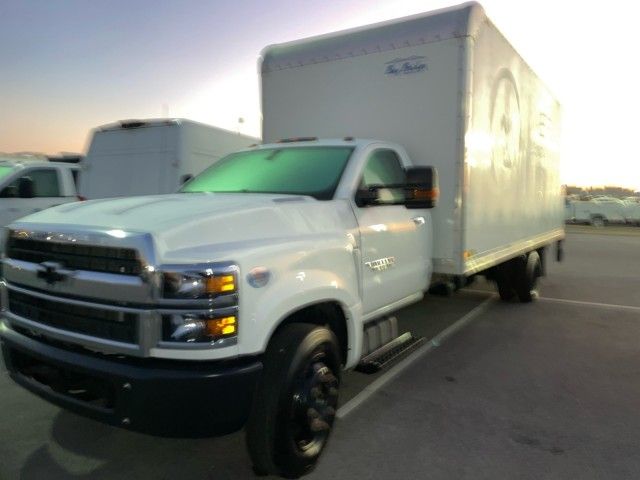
328 378
318 425
126 421
126 386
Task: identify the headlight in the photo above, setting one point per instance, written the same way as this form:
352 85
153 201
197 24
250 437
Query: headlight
197 328
205 284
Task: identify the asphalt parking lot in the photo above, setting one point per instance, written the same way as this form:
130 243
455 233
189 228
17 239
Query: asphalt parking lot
544 390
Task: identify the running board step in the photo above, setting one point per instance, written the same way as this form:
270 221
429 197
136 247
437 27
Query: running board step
389 353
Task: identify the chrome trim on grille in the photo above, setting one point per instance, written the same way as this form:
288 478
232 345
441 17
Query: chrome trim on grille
92 343
149 325
116 287
222 343
142 242
137 294
73 301
103 286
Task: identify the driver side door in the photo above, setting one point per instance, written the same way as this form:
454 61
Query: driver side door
395 241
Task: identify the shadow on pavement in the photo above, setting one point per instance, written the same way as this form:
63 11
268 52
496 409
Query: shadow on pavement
84 449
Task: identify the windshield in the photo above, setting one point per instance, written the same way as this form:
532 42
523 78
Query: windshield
313 171
5 170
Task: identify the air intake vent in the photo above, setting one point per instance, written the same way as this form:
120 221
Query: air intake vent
96 322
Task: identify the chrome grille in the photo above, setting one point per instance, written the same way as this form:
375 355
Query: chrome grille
93 321
75 256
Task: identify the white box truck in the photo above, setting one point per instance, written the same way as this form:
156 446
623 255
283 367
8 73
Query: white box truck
144 157
247 294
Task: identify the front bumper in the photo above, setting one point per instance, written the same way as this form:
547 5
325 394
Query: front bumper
159 397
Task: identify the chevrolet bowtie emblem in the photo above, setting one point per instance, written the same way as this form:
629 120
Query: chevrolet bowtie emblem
52 272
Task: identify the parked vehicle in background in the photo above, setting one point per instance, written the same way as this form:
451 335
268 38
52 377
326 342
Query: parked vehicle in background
33 186
143 157
598 211
240 300
23 157
632 210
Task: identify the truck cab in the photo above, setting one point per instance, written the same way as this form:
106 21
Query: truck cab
187 299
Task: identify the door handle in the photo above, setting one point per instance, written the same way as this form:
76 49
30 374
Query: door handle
418 220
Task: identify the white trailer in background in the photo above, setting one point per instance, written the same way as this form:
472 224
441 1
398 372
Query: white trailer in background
598 211
632 212
144 157
449 88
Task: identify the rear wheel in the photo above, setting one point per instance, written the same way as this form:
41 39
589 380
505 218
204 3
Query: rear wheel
518 277
527 270
296 401
597 221
504 281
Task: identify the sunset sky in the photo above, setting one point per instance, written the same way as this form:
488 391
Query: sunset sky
68 66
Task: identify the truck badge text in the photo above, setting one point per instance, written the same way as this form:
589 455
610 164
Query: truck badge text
381 263
405 66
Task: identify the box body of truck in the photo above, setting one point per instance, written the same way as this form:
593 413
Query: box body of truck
145 157
450 89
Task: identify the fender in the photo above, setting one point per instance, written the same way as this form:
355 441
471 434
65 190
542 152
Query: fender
295 291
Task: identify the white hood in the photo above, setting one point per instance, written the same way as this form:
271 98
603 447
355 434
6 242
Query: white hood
195 224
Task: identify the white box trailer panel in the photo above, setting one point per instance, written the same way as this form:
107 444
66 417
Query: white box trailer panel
124 159
512 197
144 157
428 82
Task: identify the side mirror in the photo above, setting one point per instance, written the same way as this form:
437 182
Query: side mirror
25 188
367 196
422 187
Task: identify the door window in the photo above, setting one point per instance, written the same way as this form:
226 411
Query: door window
45 184
384 168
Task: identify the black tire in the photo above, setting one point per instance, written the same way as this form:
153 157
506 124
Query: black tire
295 402
504 281
527 270
598 221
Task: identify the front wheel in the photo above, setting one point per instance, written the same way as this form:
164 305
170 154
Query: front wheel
296 401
